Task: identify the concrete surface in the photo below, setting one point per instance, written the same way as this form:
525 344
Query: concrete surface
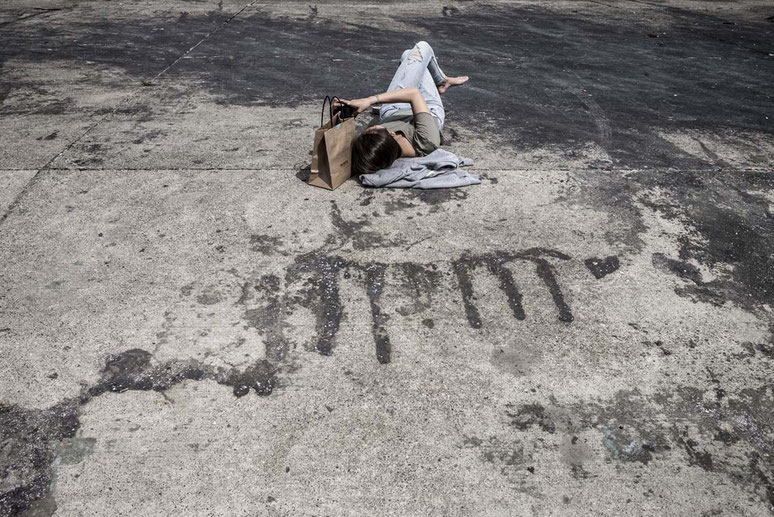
187 328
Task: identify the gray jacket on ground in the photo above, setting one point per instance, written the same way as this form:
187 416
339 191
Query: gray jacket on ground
439 169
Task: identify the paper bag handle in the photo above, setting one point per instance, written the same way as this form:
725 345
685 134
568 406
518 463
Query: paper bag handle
329 100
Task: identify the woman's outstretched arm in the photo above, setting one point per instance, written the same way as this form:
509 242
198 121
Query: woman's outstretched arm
410 95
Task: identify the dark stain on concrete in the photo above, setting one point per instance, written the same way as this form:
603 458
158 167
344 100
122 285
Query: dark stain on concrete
531 109
765 476
27 441
30 440
734 243
266 244
420 282
696 456
622 446
134 370
150 135
312 281
742 242
329 312
463 270
546 272
356 232
677 267
393 206
505 455
366 197
495 262
751 349
508 286
268 318
601 267
260 377
728 435
528 415
209 298
50 136
142 46
435 198
374 286
321 296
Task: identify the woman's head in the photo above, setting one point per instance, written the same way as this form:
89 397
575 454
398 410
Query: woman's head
374 149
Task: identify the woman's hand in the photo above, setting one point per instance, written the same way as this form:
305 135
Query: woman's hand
360 104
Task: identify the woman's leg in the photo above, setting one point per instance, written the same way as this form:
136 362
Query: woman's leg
418 68
429 90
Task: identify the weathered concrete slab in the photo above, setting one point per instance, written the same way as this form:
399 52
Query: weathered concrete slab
186 327
631 87
11 184
66 67
234 257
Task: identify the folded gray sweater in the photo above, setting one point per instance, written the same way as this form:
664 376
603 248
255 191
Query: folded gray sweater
439 169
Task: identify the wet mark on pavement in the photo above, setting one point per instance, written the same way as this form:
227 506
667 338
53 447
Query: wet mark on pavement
421 282
366 197
602 267
735 244
495 263
313 281
50 136
432 198
28 438
532 109
721 432
399 200
357 232
208 298
266 244
329 311
31 440
529 415
375 282
745 243
677 267
142 47
134 370
267 319
321 295
507 456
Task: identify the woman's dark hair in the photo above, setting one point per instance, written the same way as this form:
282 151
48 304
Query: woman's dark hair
374 150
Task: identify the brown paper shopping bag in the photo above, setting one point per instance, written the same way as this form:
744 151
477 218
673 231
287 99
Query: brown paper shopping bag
332 151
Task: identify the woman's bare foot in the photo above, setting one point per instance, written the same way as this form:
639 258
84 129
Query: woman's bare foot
452 81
